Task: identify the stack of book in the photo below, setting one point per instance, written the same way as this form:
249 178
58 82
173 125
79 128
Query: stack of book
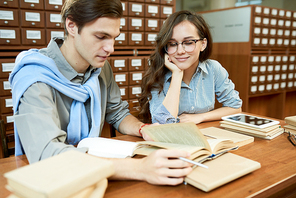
265 133
291 124
69 174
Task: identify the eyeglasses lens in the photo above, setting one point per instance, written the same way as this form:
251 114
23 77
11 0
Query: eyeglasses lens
188 46
292 139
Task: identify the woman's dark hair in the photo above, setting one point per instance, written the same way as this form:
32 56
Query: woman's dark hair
154 76
84 11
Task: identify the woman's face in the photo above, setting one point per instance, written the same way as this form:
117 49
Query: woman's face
182 32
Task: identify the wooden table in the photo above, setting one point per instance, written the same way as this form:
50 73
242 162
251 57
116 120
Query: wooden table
275 178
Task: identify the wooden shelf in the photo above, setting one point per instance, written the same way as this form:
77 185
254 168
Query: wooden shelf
265 95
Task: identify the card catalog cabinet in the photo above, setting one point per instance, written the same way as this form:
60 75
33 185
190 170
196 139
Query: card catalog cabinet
257 46
26 24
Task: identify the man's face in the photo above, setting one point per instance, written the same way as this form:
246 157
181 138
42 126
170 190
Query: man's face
96 40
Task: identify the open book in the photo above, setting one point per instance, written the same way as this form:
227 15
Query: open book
180 136
218 133
184 136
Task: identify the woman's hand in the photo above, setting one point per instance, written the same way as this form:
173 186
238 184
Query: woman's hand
196 118
170 65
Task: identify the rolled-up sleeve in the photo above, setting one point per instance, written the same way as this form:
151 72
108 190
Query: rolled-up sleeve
158 111
113 108
225 88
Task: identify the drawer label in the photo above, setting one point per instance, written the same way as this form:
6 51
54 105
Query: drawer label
33 34
136 62
7 34
6 15
32 16
55 18
7 67
56 2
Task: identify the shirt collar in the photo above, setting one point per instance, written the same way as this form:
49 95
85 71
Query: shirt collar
53 51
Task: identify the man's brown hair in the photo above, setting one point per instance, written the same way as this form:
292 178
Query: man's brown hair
84 11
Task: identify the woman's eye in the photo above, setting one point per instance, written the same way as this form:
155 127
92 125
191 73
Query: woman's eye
172 44
188 42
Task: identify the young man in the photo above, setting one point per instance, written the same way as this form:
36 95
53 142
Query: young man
65 92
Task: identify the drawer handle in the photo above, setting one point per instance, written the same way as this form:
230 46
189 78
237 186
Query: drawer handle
32 5
7 41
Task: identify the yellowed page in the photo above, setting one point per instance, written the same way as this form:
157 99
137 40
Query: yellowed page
177 133
195 151
218 133
219 145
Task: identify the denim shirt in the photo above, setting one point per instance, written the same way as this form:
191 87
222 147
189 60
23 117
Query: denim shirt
209 80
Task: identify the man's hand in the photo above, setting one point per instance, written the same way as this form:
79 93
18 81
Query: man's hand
163 167
145 136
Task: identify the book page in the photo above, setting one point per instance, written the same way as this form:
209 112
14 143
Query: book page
218 133
108 148
194 151
177 133
219 145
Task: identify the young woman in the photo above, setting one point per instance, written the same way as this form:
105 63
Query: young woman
182 82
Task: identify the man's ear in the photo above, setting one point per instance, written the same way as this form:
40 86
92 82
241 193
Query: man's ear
204 44
71 27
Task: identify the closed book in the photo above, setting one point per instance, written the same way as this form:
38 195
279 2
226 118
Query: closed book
266 133
290 128
222 170
63 175
291 120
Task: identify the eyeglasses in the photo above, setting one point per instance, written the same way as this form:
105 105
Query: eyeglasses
292 138
188 46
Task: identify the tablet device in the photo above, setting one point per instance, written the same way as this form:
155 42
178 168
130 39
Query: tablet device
252 121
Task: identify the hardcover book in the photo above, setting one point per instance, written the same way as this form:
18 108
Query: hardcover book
68 174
